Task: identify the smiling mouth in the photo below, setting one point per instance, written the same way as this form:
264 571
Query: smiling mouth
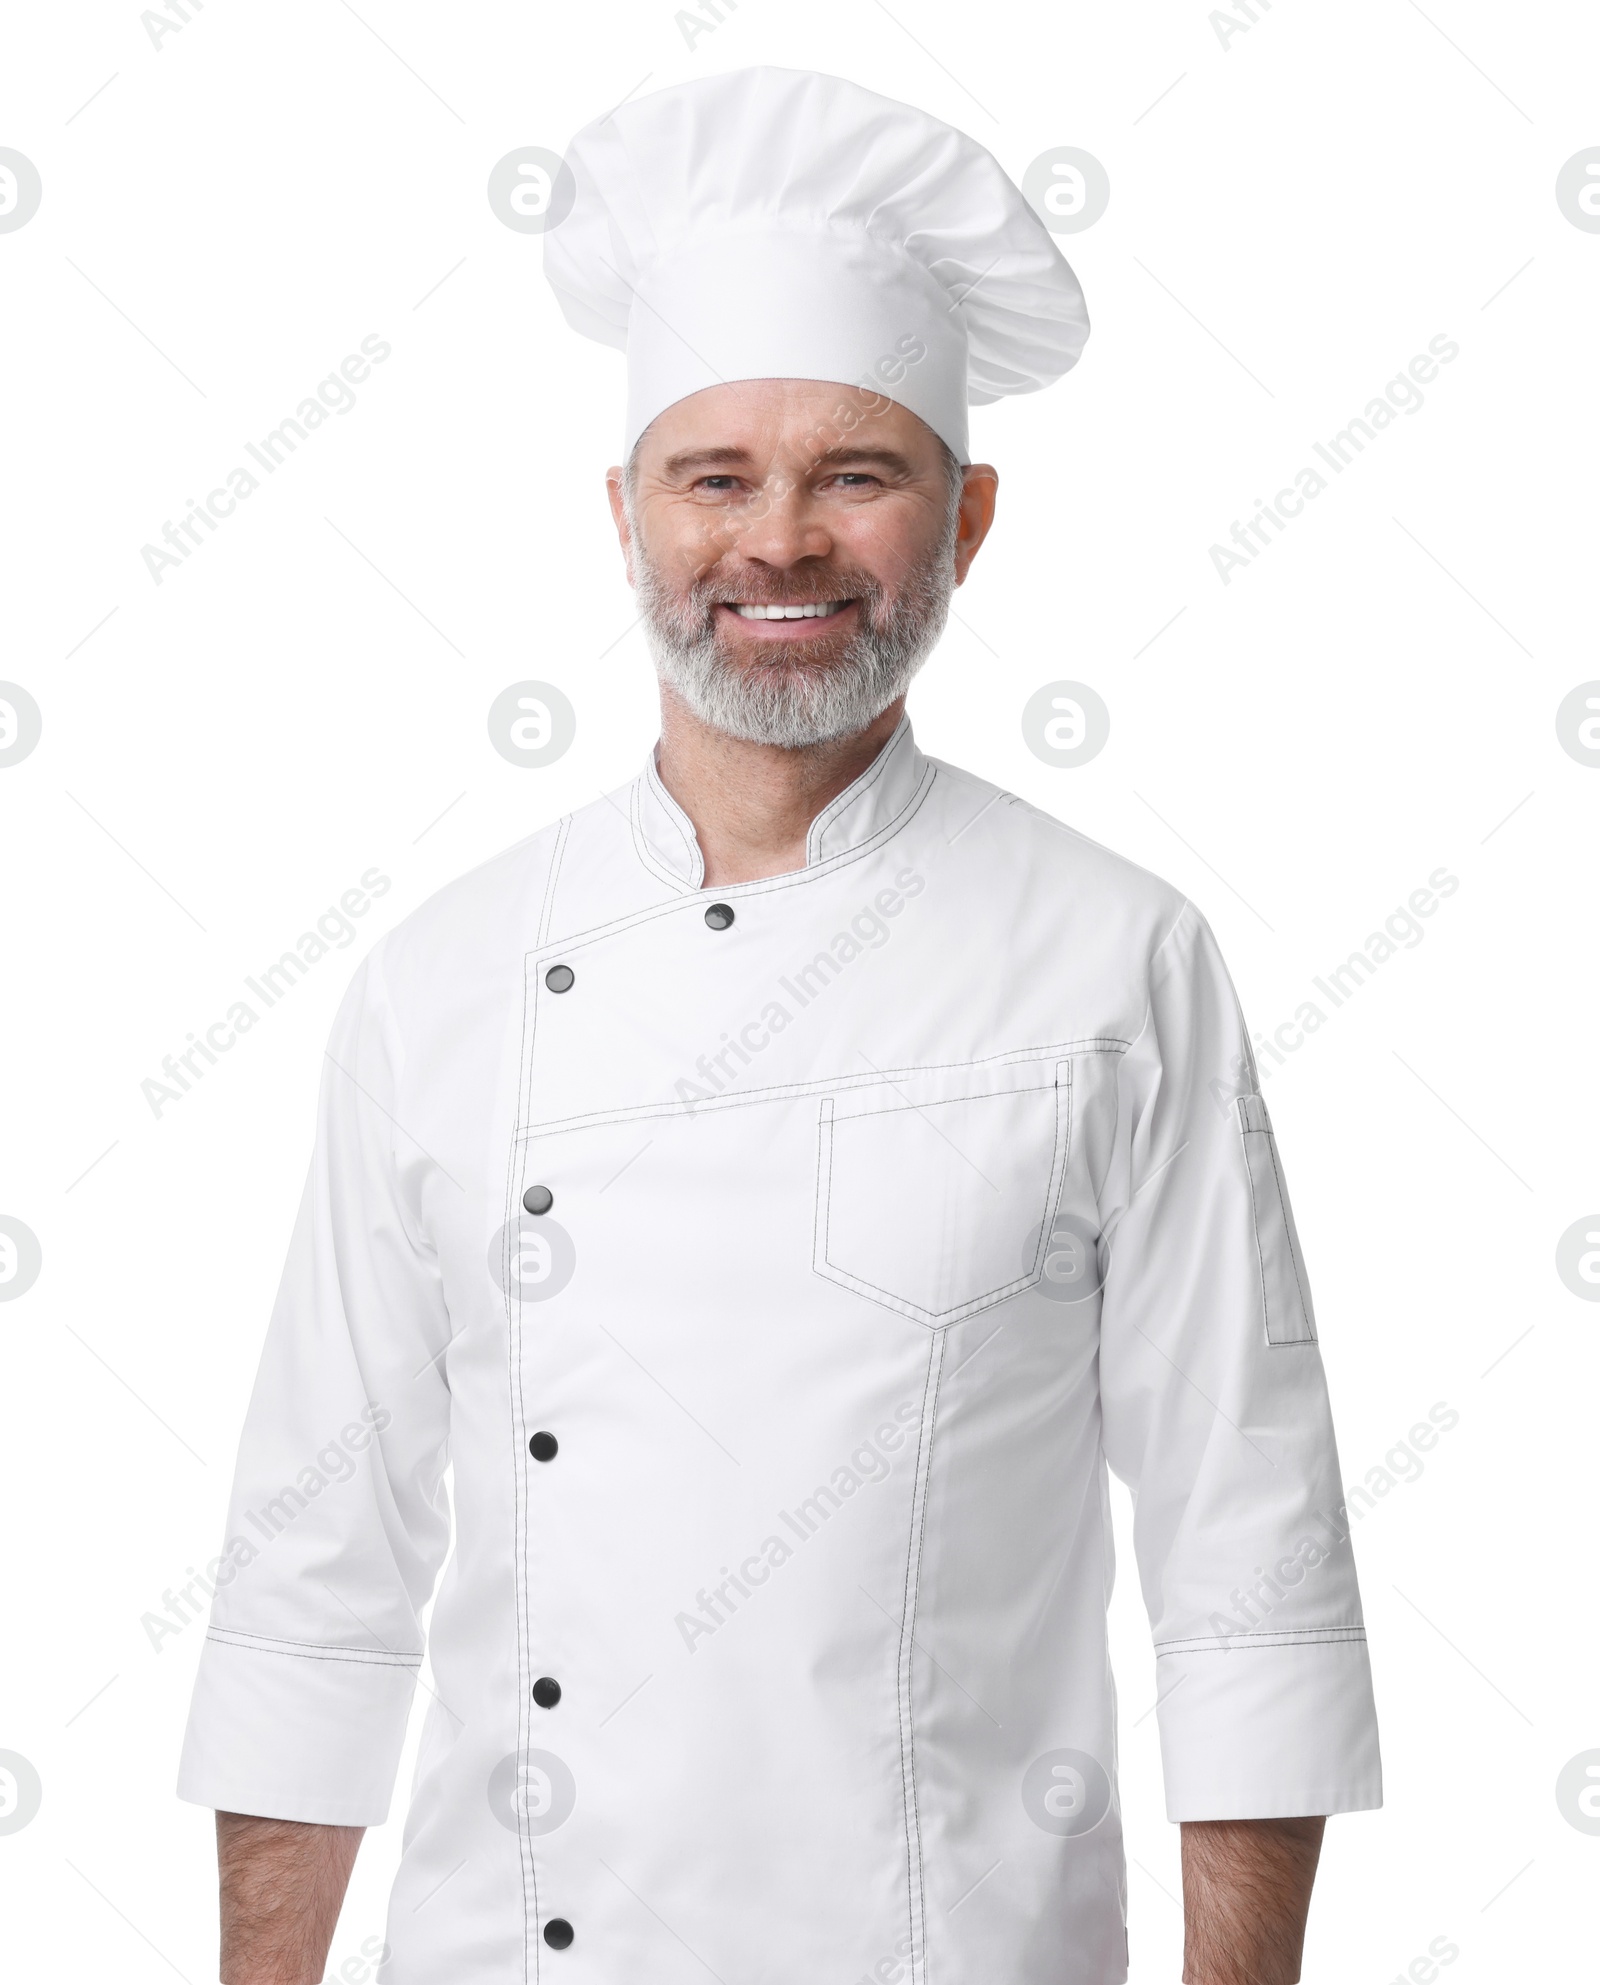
803 610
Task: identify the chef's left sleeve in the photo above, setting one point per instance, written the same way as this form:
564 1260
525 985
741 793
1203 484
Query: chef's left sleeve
1215 1411
338 1521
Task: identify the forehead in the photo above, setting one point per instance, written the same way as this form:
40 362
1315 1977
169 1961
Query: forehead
768 421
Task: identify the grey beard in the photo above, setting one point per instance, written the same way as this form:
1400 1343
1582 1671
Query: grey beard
787 702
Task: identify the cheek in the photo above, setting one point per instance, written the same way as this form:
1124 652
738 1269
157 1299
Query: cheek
886 540
681 546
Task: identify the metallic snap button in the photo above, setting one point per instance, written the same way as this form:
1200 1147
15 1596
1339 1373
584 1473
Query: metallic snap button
559 978
547 1692
558 1933
719 915
538 1199
543 1447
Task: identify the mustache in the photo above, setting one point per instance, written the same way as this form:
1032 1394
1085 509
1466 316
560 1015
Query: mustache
815 589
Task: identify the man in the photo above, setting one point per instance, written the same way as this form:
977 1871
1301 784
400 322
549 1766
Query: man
779 1190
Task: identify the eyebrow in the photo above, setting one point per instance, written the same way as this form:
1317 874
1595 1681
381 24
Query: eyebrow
855 457
703 458
700 460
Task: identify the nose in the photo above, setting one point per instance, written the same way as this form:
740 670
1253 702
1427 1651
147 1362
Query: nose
782 526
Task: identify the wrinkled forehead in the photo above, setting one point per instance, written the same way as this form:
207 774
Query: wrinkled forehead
783 427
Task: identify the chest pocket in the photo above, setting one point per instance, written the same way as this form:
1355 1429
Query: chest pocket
935 1190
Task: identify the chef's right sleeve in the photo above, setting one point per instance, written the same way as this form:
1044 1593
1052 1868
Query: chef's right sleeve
338 1521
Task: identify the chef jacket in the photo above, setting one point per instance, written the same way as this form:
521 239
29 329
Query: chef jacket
776 1268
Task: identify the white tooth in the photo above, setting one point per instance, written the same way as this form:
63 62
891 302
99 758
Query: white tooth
812 610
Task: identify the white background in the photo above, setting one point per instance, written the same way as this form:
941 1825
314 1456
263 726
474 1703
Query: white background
1292 218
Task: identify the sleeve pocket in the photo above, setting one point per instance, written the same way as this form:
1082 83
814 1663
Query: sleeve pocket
1285 1295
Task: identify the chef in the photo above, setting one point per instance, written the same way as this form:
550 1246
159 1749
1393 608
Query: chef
778 1193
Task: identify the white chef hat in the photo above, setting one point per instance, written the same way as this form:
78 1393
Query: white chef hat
776 224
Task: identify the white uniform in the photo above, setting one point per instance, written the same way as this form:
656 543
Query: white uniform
881 1218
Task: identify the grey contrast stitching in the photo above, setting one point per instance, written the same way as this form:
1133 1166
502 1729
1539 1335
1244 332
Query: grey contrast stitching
646 854
815 1086
676 820
1288 1235
312 1650
856 789
1255 1222
1307 1637
1247 1131
519 1419
942 1102
916 1894
642 848
736 892
1060 1158
646 782
563 829
740 891
822 1184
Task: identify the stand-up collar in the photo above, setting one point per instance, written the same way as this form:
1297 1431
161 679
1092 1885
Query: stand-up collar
665 835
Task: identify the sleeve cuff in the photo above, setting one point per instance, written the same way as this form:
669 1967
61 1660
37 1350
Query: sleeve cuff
288 1730
1268 1727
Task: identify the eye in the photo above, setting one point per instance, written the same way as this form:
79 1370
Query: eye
717 485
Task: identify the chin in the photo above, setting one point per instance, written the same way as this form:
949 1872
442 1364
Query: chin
799 658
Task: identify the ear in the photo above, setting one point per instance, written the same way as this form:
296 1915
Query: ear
979 490
619 516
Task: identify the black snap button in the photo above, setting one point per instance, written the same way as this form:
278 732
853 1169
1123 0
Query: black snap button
547 1692
558 1933
543 1447
538 1199
559 978
719 915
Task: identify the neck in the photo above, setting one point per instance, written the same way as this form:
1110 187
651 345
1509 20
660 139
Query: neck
752 805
